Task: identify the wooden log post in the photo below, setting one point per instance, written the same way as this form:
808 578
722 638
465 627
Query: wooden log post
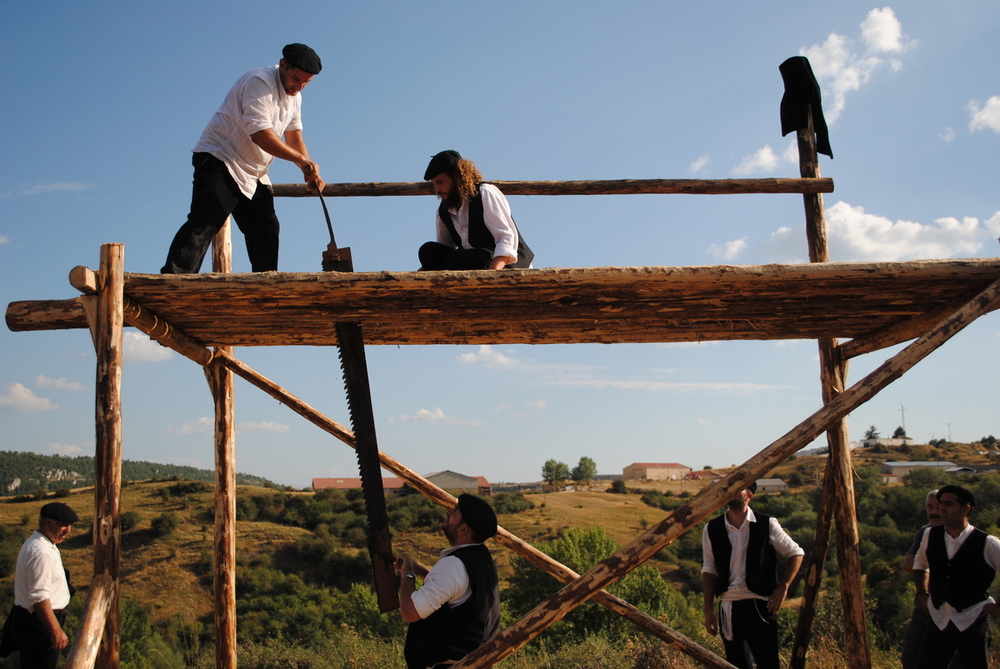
90 630
222 383
108 452
650 542
833 377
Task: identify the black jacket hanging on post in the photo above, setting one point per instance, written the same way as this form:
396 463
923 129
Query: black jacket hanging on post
480 236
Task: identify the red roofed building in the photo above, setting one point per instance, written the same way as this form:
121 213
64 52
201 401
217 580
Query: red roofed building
655 471
446 480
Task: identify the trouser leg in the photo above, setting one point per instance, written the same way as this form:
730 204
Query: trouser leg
938 647
214 195
259 224
911 642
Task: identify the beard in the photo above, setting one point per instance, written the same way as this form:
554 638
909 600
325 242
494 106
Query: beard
452 200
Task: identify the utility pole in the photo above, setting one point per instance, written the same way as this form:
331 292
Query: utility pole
949 432
902 413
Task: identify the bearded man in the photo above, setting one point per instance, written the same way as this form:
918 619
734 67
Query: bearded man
474 227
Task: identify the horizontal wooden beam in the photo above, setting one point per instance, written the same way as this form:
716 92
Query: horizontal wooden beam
612 187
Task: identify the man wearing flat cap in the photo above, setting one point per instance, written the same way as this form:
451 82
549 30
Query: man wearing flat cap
41 592
458 607
260 120
474 227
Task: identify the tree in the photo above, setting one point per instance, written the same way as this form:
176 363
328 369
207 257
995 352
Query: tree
585 470
900 433
554 471
871 433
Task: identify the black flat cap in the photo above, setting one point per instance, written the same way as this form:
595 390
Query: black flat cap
441 162
478 514
302 57
59 511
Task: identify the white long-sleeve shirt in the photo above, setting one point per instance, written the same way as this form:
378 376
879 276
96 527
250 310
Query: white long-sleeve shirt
447 582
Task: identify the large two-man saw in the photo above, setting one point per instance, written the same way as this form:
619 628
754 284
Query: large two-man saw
359 403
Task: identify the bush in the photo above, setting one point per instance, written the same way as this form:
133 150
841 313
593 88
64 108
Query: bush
165 524
130 520
618 487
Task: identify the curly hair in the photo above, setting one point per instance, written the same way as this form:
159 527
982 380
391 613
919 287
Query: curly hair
467 178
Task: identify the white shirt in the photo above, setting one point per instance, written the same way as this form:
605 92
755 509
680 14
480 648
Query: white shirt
739 538
257 101
496 215
947 612
447 583
40 574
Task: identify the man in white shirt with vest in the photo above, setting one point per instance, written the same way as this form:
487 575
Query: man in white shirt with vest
954 566
458 607
740 566
41 592
260 120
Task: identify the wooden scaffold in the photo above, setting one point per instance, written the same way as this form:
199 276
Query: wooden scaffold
870 305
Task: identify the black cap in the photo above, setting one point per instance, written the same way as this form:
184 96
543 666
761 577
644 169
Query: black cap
478 514
59 511
441 162
302 57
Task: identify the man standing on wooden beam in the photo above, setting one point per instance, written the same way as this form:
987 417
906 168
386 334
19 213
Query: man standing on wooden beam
740 550
458 607
955 565
474 227
260 120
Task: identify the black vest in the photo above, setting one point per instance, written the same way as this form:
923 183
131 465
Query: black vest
762 560
479 235
963 580
452 633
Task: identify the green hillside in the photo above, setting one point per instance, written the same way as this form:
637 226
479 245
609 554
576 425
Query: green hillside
23 473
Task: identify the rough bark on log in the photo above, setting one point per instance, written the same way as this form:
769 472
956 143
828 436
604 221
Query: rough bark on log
90 630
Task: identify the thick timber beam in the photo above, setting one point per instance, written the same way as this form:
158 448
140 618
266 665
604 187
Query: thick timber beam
646 545
90 630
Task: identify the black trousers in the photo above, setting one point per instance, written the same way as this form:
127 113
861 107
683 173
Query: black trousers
26 633
755 636
215 196
971 645
436 256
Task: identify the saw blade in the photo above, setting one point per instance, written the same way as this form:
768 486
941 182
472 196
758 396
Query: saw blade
359 403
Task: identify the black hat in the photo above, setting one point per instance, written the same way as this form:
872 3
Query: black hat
302 57
441 162
59 511
478 514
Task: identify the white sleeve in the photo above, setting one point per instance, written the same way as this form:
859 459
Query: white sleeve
496 215
707 556
783 544
446 582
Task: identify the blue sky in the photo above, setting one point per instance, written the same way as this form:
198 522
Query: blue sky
104 102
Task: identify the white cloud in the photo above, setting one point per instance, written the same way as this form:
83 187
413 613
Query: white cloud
138 347
699 163
843 65
65 449
4 240
986 117
766 160
435 416
948 134
17 397
26 190
267 426
488 356
201 427
730 250
61 383
540 404
856 235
